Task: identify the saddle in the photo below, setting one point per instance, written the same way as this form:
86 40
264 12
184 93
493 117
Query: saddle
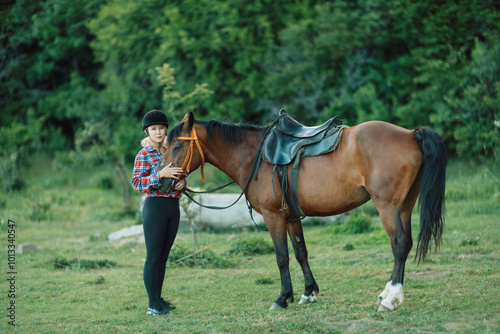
289 136
288 142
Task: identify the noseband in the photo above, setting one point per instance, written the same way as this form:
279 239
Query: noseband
189 156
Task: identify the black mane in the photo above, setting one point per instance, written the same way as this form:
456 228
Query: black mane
227 130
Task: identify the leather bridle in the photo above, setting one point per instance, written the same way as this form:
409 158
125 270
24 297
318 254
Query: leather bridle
189 156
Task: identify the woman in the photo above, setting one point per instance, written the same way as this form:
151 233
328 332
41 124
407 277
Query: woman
160 214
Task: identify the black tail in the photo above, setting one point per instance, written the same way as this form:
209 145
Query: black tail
432 191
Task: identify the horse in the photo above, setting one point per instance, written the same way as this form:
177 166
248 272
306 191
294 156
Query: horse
375 160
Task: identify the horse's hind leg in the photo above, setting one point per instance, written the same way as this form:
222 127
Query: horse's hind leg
299 247
401 243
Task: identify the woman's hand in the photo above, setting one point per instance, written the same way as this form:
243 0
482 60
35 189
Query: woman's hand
180 185
173 172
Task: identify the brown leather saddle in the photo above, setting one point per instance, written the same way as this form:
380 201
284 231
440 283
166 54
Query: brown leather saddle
288 142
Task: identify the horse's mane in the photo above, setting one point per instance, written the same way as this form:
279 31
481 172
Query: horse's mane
227 130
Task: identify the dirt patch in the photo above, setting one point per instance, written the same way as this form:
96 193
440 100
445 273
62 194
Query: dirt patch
454 326
427 274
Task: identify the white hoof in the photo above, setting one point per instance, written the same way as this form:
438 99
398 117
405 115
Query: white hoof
382 308
275 307
385 293
387 305
395 296
307 299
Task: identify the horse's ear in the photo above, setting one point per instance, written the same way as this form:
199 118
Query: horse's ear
188 120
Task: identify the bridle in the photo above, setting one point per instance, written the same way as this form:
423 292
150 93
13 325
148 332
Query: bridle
189 155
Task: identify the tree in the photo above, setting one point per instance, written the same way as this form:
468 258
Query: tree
46 64
176 104
74 63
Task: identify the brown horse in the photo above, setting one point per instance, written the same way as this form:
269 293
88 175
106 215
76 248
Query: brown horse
375 160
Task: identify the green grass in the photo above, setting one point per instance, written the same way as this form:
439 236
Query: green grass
455 290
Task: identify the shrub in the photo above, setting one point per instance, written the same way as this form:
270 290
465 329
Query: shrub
99 280
106 183
203 259
9 173
348 247
63 263
250 245
472 240
355 224
264 281
39 209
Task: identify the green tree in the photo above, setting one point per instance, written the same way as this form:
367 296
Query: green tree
47 67
468 112
126 39
175 104
109 142
76 63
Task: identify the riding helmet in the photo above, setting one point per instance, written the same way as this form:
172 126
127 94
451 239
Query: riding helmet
154 117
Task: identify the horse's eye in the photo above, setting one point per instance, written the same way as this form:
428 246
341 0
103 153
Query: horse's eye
177 147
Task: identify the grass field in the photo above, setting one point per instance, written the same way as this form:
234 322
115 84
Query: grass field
67 215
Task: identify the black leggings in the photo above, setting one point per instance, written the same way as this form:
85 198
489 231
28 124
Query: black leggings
160 219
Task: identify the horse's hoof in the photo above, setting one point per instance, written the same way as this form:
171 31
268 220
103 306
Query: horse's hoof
276 306
385 305
307 299
382 308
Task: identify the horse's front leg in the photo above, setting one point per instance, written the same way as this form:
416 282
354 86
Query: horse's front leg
299 247
278 234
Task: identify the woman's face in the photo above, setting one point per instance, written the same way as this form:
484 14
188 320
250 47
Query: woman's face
157 133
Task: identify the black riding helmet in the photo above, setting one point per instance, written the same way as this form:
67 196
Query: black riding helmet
153 117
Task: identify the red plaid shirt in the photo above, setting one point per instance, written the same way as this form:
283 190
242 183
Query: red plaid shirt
146 177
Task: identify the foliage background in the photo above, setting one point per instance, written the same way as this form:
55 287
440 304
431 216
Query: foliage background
76 76
72 68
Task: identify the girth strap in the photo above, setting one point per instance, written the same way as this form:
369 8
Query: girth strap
289 189
297 213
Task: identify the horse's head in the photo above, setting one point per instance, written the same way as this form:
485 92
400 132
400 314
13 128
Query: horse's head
183 147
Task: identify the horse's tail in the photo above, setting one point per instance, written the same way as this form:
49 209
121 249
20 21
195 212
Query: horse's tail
432 191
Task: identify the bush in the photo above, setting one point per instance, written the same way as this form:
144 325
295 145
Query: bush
471 240
348 247
106 183
250 245
39 209
9 173
63 263
355 224
203 259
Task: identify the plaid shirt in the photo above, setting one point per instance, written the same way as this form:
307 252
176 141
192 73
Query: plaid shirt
146 177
